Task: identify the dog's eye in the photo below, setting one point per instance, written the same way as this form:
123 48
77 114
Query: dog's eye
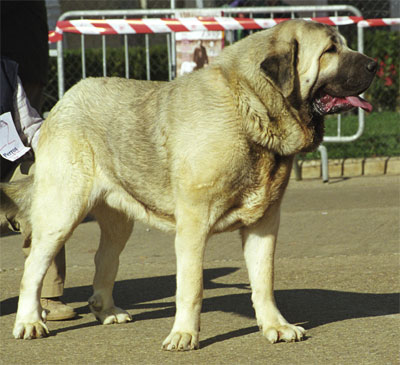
331 49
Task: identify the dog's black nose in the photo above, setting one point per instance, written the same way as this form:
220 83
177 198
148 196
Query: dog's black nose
372 66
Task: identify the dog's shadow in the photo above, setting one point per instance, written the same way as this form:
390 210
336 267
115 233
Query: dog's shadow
309 307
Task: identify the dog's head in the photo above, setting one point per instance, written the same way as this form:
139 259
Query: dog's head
287 78
311 62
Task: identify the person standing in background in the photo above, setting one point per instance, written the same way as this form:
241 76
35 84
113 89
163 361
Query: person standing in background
24 39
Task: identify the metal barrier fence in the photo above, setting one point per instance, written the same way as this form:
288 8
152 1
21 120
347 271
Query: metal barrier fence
251 12
315 11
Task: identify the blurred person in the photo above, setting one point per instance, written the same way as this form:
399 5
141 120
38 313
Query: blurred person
200 57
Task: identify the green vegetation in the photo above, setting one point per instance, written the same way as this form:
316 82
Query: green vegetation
383 46
381 137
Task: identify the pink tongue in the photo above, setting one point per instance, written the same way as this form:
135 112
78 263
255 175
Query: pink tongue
355 101
359 102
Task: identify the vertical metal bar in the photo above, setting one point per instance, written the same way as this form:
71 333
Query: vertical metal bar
173 46
324 159
339 117
336 14
361 122
361 114
296 168
103 47
83 56
360 39
324 153
126 56
251 15
126 50
146 40
169 56
60 68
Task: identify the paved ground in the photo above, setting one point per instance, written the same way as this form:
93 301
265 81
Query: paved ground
337 273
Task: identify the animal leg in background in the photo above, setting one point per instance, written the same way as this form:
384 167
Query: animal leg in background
115 231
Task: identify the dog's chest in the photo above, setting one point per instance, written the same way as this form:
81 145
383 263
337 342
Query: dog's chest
271 175
265 188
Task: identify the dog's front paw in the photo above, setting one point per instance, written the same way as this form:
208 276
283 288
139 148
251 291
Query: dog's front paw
181 341
31 330
286 333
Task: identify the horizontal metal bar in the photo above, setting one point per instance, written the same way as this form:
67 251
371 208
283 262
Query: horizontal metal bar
297 8
254 10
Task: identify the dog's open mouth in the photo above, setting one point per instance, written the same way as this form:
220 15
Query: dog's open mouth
324 103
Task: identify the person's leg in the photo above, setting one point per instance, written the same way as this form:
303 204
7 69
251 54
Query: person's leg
53 288
53 283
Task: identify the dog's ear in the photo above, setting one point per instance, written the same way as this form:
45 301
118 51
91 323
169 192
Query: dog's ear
280 66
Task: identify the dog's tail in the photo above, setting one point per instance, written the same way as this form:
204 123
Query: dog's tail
15 204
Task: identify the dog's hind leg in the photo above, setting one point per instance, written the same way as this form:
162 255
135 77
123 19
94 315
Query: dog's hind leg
116 228
53 216
259 248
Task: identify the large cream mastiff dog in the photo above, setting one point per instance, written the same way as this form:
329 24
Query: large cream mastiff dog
208 152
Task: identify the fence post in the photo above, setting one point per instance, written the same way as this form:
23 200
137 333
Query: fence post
60 69
324 159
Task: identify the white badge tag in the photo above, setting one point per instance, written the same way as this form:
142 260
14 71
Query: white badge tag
11 146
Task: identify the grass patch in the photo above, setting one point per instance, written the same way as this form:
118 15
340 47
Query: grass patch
381 137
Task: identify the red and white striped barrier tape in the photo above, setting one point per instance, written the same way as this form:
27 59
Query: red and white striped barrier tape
170 25
153 25
378 22
55 36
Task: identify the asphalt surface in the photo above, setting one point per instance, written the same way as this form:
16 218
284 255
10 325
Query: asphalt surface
337 274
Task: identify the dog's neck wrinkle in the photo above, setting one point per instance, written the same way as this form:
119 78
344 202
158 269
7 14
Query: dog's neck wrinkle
282 134
286 133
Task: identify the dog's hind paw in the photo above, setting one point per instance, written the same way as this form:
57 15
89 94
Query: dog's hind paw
286 333
181 341
115 315
107 316
112 315
29 331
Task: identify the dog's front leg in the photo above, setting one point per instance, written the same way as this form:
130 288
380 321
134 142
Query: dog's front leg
190 240
259 249
30 320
